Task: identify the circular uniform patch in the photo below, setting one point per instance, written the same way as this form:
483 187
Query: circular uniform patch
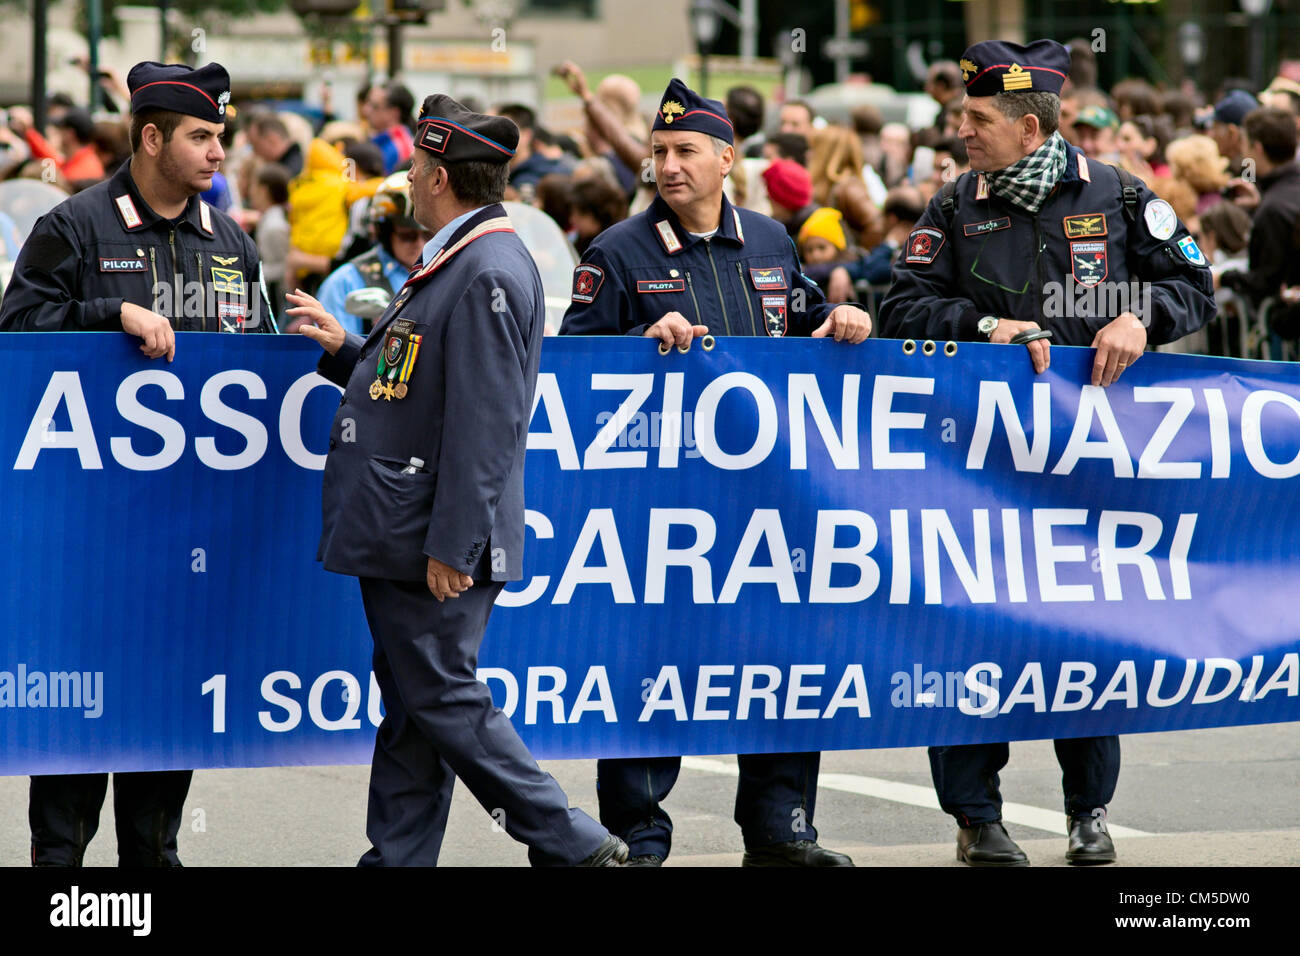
1160 218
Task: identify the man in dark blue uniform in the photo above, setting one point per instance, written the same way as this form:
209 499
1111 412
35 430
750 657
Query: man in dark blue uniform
423 500
693 263
1040 242
140 253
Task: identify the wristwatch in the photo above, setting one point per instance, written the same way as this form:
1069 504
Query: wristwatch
988 324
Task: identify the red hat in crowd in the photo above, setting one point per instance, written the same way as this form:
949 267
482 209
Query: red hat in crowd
788 183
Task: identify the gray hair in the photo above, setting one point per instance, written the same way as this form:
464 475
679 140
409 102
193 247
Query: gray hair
718 145
1046 106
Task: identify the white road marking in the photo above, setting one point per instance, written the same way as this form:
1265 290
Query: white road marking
1053 821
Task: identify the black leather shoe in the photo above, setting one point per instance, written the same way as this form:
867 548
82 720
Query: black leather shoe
800 853
613 852
645 859
1090 842
989 844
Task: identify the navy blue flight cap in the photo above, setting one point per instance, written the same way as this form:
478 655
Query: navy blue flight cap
1232 109
457 135
176 87
681 108
994 67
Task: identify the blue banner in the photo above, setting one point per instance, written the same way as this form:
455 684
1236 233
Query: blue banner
775 545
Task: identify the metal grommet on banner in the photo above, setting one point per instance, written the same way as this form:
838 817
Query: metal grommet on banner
683 349
929 347
950 348
707 342
909 347
664 348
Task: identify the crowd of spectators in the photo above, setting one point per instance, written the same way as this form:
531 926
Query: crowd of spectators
848 194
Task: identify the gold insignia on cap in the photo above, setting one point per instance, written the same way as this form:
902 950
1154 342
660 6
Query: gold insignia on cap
1017 78
967 68
670 109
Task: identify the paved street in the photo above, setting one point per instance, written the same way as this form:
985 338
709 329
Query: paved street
1234 788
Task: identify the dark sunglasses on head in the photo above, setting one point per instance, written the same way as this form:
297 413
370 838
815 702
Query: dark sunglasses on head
411 235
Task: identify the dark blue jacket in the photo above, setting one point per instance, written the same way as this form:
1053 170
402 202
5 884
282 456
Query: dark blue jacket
479 310
996 259
745 280
104 246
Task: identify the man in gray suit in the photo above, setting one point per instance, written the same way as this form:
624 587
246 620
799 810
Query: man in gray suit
423 500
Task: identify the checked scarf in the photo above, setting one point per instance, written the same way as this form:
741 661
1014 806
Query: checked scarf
1030 180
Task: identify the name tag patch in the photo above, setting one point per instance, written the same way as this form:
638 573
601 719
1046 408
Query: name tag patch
774 315
661 285
988 225
923 245
1088 224
586 282
767 279
121 265
1088 262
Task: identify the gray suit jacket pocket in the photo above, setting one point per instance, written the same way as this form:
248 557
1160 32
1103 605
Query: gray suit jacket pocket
380 532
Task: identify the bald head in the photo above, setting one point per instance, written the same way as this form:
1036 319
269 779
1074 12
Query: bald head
621 93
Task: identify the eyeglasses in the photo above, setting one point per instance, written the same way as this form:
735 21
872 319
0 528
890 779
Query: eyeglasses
1033 269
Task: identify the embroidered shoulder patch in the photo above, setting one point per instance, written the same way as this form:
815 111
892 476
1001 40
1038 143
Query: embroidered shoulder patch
923 245
1191 251
587 280
1161 220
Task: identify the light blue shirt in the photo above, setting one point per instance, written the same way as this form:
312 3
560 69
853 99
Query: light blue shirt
442 235
347 278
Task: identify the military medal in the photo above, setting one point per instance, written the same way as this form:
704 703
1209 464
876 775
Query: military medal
396 362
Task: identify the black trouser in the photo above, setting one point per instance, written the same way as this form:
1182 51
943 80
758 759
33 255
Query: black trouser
966 777
63 812
775 799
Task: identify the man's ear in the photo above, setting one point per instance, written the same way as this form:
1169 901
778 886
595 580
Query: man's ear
151 140
1029 129
728 159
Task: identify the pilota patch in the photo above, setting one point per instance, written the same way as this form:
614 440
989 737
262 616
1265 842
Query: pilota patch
923 245
988 225
121 265
661 285
587 280
1088 262
1085 225
774 315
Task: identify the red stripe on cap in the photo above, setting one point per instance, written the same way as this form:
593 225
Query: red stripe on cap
463 129
176 83
1007 66
706 113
